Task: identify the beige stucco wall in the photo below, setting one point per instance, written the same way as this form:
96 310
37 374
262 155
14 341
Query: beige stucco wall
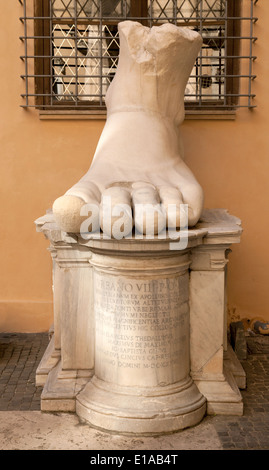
42 159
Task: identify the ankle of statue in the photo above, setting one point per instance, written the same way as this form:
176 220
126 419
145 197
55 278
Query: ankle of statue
150 112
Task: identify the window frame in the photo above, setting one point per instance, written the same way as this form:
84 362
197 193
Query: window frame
43 67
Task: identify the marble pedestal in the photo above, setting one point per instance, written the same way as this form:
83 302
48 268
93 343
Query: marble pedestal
142 377
140 329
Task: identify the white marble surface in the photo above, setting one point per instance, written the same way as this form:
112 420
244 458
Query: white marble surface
34 430
139 158
207 320
74 293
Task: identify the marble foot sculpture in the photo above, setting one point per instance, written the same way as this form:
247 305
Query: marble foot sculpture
138 162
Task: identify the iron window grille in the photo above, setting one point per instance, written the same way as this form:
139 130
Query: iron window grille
71 50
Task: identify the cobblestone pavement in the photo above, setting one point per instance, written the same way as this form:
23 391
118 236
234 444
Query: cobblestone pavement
250 431
20 355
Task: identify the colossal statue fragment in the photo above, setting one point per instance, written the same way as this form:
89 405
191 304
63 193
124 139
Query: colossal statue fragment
139 157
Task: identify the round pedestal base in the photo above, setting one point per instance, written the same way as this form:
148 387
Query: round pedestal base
153 411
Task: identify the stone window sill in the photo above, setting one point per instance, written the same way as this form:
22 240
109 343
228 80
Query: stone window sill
101 115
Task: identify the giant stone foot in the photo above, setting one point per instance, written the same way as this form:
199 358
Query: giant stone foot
138 165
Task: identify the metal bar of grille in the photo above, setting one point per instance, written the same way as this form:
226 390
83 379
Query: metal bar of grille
51 49
101 60
76 52
96 76
84 51
250 53
26 54
249 57
217 95
225 63
203 108
120 18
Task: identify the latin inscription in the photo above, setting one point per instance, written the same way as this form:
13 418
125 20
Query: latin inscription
141 324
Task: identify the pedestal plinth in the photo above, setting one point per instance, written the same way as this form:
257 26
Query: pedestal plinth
142 350
140 330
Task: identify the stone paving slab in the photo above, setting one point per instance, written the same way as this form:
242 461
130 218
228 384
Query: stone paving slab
35 430
23 426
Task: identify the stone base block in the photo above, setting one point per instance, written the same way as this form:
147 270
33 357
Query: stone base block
61 389
233 364
223 396
151 411
49 360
